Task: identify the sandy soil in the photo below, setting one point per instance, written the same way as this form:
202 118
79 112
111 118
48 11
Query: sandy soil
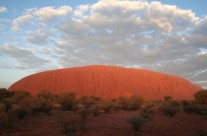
112 124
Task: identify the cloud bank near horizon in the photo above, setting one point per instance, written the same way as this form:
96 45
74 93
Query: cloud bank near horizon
138 34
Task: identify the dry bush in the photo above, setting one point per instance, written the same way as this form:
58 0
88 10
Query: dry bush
69 124
137 122
130 103
123 102
84 116
147 113
67 100
21 113
95 110
167 98
4 93
36 104
135 102
42 105
2 109
200 109
88 101
107 105
45 94
18 96
201 96
170 110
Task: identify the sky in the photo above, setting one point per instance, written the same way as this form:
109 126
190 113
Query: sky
167 36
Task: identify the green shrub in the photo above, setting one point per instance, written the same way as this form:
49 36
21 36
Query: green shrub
67 100
170 110
201 96
70 124
136 122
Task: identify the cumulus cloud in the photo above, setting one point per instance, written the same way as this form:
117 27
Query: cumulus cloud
80 10
3 9
38 37
43 14
50 13
25 57
17 22
149 35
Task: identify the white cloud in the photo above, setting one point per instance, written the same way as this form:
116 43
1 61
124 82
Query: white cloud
25 58
17 22
50 13
73 26
80 10
38 37
3 10
127 33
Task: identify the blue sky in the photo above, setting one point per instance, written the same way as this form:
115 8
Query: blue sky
168 36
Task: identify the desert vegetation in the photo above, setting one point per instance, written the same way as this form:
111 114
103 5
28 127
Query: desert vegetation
199 105
75 114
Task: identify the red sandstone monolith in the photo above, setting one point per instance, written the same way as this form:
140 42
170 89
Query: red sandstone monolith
108 82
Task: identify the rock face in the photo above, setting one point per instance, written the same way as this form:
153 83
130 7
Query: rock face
108 82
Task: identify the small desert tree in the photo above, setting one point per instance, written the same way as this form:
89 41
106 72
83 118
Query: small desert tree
201 96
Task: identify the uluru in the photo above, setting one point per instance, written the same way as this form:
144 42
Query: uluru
108 82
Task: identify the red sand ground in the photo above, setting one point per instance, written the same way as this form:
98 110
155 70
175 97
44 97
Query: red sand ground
108 82
113 124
